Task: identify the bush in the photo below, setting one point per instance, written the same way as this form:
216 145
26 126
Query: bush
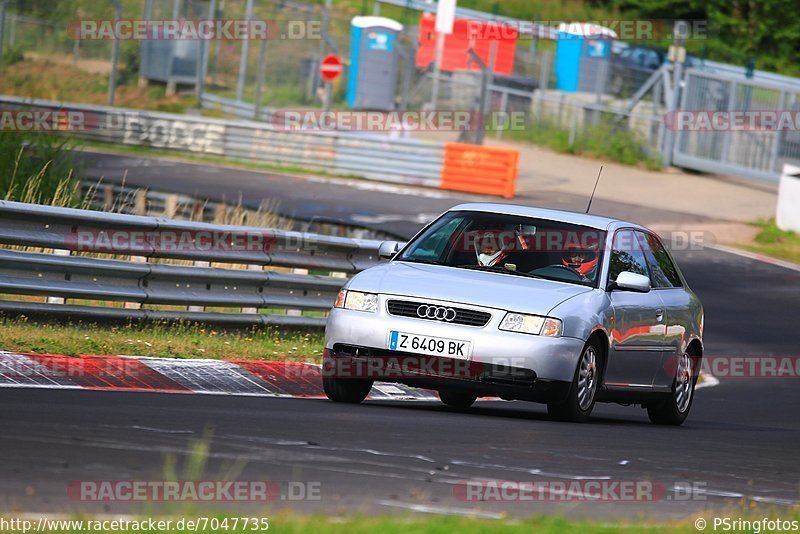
129 63
13 55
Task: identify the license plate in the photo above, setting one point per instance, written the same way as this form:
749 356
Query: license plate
434 346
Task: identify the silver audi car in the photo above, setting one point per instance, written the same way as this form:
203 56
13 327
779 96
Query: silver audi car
496 300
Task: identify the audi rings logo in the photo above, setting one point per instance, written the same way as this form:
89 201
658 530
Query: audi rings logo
438 313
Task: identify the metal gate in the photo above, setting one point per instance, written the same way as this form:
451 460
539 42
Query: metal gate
753 150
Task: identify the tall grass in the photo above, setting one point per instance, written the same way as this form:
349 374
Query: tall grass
38 168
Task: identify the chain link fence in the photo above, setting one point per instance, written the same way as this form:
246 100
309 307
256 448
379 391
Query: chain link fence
758 151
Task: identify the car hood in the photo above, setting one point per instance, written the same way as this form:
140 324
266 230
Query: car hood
480 288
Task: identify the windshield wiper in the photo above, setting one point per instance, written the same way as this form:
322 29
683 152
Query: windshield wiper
496 269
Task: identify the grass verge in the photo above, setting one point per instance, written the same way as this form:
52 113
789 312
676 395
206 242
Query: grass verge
602 141
162 340
775 242
297 524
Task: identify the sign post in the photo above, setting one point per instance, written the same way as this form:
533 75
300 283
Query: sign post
445 16
329 69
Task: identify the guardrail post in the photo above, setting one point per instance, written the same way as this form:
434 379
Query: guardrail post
140 202
108 197
293 312
58 300
135 305
198 263
252 268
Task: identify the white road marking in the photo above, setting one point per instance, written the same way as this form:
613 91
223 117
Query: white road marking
442 510
757 257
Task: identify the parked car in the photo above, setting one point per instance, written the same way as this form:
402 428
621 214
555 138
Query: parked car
631 66
516 302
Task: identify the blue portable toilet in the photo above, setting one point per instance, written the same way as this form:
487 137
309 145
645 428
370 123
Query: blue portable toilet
374 57
579 49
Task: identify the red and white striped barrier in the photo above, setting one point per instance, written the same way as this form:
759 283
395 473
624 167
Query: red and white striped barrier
168 375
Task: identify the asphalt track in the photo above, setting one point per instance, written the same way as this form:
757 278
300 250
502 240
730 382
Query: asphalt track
385 207
391 457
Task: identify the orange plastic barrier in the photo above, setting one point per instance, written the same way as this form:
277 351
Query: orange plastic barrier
480 169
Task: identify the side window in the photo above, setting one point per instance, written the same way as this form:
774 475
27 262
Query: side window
662 271
626 255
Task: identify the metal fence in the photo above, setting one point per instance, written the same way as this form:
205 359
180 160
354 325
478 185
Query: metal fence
377 157
162 269
577 114
758 153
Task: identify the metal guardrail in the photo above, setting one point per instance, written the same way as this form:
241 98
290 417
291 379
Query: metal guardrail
366 155
137 276
237 108
121 198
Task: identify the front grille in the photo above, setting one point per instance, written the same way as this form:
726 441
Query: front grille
404 308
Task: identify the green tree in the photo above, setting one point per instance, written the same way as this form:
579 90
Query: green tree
738 29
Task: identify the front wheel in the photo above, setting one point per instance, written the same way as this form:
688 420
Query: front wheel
673 411
456 399
349 390
583 391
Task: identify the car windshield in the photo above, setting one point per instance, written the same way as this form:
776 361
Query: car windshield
511 245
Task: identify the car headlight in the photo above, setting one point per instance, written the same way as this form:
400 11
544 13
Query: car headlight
356 300
531 324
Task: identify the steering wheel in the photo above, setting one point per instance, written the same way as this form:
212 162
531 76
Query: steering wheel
572 272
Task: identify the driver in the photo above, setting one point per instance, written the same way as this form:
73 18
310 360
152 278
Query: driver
490 249
581 260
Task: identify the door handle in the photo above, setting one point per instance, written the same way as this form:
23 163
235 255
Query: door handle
660 315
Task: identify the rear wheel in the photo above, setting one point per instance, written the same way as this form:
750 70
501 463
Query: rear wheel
457 399
675 409
583 391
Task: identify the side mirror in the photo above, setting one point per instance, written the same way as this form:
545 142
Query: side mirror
628 281
388 249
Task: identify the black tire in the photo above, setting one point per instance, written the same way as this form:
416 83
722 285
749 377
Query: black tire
668 411
573 408
457 399
349 390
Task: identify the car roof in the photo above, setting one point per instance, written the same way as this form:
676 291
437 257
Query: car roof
592 221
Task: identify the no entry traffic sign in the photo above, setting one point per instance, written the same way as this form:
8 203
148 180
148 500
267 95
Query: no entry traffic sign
330 68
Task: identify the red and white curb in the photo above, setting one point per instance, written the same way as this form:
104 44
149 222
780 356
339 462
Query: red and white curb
203 376
168 375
